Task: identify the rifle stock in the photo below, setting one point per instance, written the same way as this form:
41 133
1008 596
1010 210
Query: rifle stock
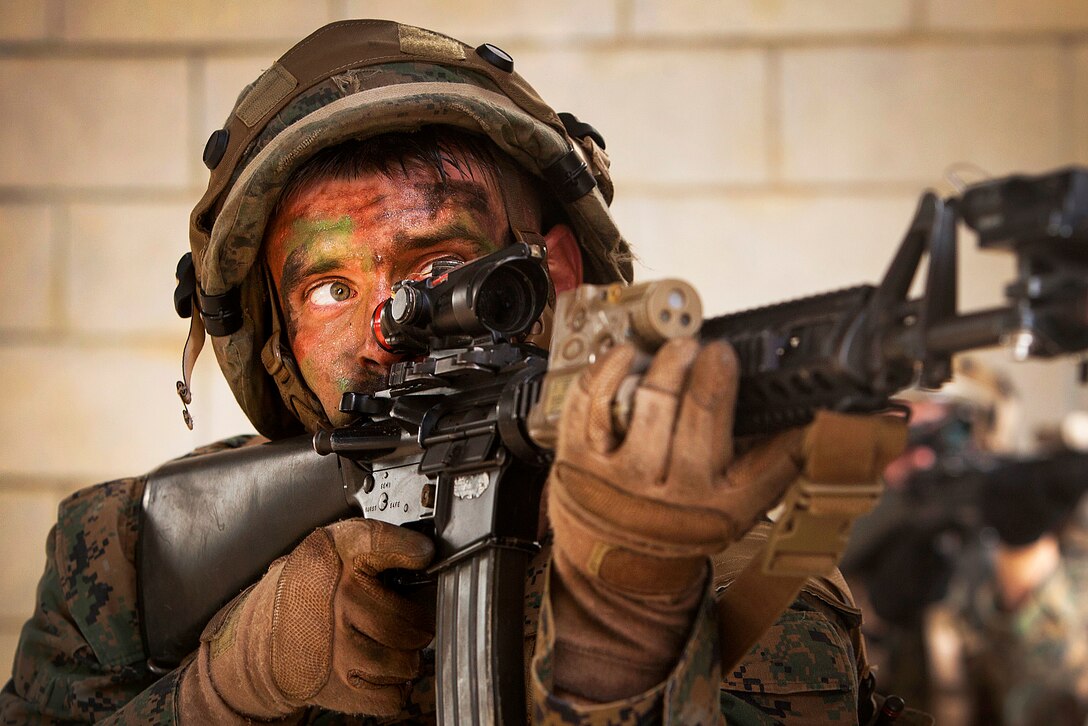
210 525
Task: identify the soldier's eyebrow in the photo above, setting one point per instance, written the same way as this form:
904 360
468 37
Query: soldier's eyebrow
453 231
297 268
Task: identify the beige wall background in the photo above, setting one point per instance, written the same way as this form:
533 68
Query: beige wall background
763 149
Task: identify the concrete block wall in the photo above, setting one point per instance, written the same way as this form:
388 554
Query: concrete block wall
763 150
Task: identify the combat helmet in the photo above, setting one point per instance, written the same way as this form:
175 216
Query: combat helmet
358 79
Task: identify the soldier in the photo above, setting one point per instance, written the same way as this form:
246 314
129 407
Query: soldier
976 589
370 153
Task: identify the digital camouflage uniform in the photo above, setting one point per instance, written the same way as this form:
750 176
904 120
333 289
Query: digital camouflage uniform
1030 665
81 659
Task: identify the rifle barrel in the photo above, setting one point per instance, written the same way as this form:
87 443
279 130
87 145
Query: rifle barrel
980 329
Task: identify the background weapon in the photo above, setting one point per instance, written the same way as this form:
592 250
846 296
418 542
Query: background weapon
907 550
853 349
458 441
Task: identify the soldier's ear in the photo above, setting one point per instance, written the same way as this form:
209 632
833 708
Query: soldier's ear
564 258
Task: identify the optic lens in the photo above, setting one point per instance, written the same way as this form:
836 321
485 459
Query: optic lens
507 301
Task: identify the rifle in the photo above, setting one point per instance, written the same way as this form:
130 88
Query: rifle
458 443
907 550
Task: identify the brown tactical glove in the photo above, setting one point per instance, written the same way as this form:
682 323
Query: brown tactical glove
635 519
318 629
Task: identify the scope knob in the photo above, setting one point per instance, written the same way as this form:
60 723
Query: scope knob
404 307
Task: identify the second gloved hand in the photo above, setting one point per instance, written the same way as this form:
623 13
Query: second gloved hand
319 629
637 517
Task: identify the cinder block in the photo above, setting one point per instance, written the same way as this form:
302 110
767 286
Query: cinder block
121 265
113 411
23 20
192 21
27 517
9 639
1080 110
93 123
761 19
667 116
1006 15
224 79
891 114
481 21
27 274
749 250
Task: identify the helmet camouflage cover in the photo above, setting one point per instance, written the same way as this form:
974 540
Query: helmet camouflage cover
352 80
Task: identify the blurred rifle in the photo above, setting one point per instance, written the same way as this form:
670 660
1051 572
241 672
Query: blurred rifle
907 550
1019 498
459 441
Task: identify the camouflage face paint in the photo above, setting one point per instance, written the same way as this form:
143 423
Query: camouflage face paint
338 247
313 246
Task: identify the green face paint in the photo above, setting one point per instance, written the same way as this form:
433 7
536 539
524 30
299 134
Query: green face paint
312 227
315 245
308 233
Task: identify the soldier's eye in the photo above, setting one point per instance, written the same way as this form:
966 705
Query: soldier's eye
330 293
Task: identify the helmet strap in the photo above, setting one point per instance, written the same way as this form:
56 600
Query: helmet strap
193 345
523 209
518 197
280 363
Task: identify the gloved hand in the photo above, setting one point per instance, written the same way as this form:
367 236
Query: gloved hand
318 629
635 519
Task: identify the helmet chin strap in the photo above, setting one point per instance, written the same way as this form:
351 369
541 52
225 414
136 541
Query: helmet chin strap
524 216
215 314
187 306
193 345
279 361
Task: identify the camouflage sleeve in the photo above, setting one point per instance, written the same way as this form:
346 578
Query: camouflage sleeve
1034 660
80 656
689 696
803 670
